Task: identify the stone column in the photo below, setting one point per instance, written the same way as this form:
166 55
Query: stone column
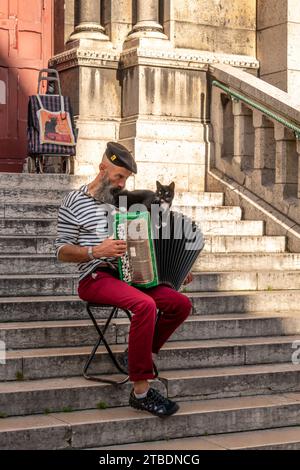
147 20
88 21
286 171
117 20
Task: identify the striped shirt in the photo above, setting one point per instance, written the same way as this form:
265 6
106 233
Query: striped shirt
84 221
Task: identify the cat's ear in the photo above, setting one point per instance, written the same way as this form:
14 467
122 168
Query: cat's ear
158 185
172 186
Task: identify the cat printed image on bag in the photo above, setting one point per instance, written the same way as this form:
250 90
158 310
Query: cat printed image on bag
55 127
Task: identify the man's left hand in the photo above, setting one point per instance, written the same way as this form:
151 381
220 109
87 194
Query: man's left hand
188 279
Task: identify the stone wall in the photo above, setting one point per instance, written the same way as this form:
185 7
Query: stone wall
278 37
217 26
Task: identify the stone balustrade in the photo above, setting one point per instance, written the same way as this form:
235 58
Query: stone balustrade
252 148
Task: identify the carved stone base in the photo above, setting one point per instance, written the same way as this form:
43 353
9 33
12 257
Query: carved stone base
150 29
89 31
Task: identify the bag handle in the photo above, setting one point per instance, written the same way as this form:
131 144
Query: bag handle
51 79
48 79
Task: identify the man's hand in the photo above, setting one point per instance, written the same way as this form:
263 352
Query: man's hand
188 279
109 248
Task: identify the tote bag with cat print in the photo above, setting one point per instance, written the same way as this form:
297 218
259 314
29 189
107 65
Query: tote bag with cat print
55 126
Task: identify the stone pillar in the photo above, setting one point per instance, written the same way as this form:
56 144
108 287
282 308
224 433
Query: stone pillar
264 149
117 20
164 119
278 32
147 31
286 171
147 20
88 21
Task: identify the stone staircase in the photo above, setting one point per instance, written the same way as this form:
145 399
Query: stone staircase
229 365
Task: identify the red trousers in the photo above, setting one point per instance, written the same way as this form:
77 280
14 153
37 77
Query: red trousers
145 334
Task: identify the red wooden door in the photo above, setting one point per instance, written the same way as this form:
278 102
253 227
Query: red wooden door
25 47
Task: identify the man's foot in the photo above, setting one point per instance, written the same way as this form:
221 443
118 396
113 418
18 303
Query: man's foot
154 402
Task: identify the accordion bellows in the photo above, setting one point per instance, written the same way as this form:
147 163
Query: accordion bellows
161 250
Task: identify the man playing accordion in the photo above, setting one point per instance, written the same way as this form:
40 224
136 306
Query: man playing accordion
83 238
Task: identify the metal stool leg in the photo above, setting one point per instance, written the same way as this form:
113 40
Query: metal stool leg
101 339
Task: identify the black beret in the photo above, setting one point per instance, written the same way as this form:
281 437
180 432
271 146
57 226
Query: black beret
120 156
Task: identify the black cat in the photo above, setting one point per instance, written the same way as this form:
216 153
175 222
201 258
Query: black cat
50 126
163 196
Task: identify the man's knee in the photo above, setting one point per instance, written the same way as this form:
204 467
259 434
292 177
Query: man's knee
145 304
184 305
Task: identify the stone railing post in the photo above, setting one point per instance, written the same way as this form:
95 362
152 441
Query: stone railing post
286 165
264 149
298 153
243 154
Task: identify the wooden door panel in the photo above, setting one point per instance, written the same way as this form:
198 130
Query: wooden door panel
30 45
32 14
25 47
3 103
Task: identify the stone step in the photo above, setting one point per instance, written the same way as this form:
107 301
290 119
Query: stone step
31 195
241 281
198 199
28 210
211 262
65 362
244 244
42 308
31 264
213 244
46 181
76 393
220 213
38 284
98 428
211 227
215 262
33 227
208 303
66 284
285 438
36 210
230 227
70 333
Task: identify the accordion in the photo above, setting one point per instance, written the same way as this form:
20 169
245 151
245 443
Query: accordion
160 250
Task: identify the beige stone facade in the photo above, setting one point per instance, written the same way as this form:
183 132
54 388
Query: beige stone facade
278 36
137 72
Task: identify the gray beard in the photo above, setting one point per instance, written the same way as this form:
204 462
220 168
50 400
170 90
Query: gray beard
103 192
